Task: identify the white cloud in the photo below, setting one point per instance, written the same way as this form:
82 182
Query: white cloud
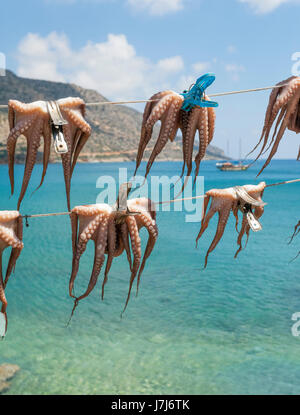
173 64
231 49
200 67
156 7
112 67
266 6
153 7
234 70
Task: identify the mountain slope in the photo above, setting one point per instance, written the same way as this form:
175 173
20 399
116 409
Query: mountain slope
116 128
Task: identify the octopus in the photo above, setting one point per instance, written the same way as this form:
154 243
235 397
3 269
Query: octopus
284 108
33 121
11 231
223 201
201 119
112 233
166 107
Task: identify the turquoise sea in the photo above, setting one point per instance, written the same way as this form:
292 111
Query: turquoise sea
223 330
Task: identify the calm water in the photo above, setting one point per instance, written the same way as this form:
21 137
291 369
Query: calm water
223 330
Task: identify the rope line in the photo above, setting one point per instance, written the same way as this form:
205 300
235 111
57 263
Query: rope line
285 182
40 215
218 94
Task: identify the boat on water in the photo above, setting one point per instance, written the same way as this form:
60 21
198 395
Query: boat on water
232 166
226 165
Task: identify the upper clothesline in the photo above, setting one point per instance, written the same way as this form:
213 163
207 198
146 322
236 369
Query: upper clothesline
218 94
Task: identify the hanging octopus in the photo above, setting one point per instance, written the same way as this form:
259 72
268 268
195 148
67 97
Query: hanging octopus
11 231
284 108
201 119
33 121
111 231
166 106
223 201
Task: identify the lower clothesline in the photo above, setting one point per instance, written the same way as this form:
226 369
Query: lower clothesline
41 215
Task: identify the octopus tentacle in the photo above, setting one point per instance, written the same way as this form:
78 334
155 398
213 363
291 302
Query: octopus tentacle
119 249
258 211
125 239
244 227
183 123
136 250
100 245
111 248
296 231
169 125
32 149
2 293
11 117
224 201
149 223
17 247
10 236
223 218
146 132
47 149
15 132
279 119
284 101
109 230
33 121
76 119
83 239
66 163
282 129
211 123
190 136
206 217
270 116
80 144
74 228
203 139
159 110
235 214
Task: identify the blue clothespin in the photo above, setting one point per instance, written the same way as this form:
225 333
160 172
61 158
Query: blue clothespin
194 96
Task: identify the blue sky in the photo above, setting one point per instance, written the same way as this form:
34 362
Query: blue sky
130 49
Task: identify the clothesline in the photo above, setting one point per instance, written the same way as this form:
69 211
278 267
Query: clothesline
40 215
218 94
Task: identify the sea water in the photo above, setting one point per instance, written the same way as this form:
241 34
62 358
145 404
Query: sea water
222 330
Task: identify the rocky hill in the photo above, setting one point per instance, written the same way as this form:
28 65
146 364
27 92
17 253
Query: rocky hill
116 128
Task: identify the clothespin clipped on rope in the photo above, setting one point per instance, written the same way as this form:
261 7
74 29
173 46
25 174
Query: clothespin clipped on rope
57 121
3 325
122 209
26 221
194 96
246 202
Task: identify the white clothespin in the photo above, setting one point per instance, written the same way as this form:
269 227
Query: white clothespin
245 205
2 325
122 208
57 121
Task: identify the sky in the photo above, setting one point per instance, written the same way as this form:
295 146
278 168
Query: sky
131 49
